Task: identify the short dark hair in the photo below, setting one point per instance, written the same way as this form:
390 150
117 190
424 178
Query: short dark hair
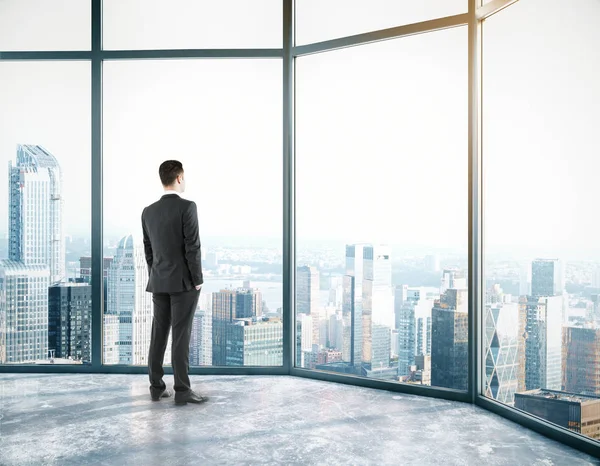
169 171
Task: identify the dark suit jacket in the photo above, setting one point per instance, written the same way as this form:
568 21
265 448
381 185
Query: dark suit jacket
172 245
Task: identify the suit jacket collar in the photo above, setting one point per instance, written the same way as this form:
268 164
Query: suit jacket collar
170 193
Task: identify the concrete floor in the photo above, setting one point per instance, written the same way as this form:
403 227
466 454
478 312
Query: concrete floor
110 420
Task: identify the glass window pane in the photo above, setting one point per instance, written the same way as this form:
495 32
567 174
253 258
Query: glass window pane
540 159
382 210
45 25
45 300
222 120
319 20
191 24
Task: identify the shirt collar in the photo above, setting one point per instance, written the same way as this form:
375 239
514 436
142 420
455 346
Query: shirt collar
171 191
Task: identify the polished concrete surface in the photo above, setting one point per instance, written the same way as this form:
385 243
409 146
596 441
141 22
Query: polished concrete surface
110 420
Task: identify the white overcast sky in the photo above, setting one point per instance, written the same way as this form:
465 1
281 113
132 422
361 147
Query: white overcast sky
381 128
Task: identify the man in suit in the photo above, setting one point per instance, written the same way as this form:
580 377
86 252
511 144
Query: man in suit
172 247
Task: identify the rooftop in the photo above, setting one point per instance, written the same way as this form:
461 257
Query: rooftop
560 396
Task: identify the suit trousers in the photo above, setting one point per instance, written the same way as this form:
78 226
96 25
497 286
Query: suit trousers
172 311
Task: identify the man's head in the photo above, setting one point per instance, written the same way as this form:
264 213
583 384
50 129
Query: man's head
171 175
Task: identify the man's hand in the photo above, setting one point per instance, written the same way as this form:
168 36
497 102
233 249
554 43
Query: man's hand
198 287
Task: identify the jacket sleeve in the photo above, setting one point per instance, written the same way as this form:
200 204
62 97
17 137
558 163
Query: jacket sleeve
147 244
191 238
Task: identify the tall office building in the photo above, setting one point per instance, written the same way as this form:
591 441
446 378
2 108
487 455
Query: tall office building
352 322
85 273
307 297
255 342
413 320
453 279
525 279
543 342
352 302
501 344
335 335
85 267
449 340
201 338
547 278
228 305
381 347
377 298
36 254
69 321
129 301
378 270
36 211
304 336
110 333
400 295
581 360
307 289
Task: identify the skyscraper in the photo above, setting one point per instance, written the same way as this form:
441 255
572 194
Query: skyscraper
36 251
352 322
381 347
36 211
129 301
453 279
581 360
501 344
228 305
367 297
201 338
111 339
352 302
85 272
85 267
413 320
307 297
547 278
307 289
543 342
69 321
449 340
378 270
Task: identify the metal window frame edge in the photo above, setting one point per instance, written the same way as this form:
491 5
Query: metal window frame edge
541 426
491 8
365 382
475 249
137 370
289 191
383 34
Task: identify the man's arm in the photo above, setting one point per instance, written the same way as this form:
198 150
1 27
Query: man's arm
191 239
147 245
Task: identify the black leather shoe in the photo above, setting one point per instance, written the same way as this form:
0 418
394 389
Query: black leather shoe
156 395
190 396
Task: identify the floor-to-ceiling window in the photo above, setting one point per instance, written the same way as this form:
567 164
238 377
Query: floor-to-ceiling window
540 163
381 199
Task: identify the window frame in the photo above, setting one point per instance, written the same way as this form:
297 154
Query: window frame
474 19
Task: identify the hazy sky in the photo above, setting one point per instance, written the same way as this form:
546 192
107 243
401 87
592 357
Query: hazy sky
381 129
